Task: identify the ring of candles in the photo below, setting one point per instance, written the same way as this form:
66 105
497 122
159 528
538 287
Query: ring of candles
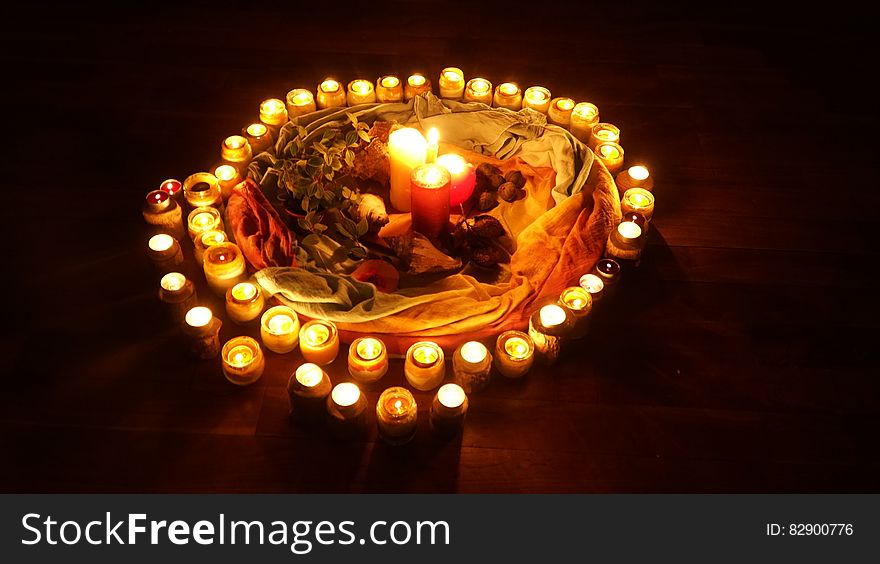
279 329
242 360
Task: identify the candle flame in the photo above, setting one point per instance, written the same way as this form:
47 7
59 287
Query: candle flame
455 164
161 242
517 348
638 198
552 315
257 129
199 316
509 88
235 142
474 352
212 238
202 219
369 349
171 186
639 172
272 106
629 230
426 355
586 110
390 81
240 356
480 85
225 172
173 281
345 394
451 395
537 94
329 86
576 298
565 104
317 334
244 291
609 151
280 324
416 80
309 375
361 86
452 75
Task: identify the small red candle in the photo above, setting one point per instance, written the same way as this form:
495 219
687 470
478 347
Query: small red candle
430 186
464 177
157 200
171 186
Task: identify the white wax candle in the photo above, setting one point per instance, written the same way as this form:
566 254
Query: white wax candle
407 149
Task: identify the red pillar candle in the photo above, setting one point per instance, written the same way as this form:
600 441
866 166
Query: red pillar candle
463 174
430 186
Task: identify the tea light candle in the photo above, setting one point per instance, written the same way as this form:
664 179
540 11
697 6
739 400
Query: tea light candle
424 367
430 190
178 293
624 243
330 94
236 151
367 360
608 270
162 212
397 416
537 98
243 361
300 102
451 83
319 342
244 302
258 137
416 84
202 189
203 219
389 89
472 366
584 117
560 111
478 90
638 200
407 149
578 302
360 91
273 113
636 176
347 411
227 177
547 326
203 330
508 95
279 329
464 177
204 240
604 132
173 188
448 410
224 267
514 354
308 389
593 284
611 155
164 251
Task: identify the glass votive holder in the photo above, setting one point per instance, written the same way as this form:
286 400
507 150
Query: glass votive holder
514 354
578 302
173 188
367 360
608 270
165 252
203 219
163 213
300 102
319 341
244 302
584 117
360 91
203 330
243 361
236 151
451 83
389 89
448 410
508 95
279 329
224 267
330 94
638 200
228 178
594 285
478 90
611 155
425 366
273 113
604 133
308 390
347 411
258 137
548 326
637 176
204 240
537 98
397 416
416 84
560 111
179 295
472 366
202 189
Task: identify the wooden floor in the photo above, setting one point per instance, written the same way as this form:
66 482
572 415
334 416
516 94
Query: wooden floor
740 358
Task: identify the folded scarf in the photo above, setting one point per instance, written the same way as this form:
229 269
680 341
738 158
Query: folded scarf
258 229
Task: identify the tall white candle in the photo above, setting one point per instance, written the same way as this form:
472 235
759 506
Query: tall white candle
407 149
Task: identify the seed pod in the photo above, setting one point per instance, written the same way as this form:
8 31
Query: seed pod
516 177
487 170
495 181
508 192
488 200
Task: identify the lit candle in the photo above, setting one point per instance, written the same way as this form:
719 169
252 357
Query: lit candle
178 293
425 367
203 329
347 411
173 188
300 102
224 267
464 177
279 329
416 84
330 94
472 366
433 145
430 189
360 91
204 240
243 361
578 302
537 98
203 219
202 189
638 200
389 89
448 410
397 415
611 155
308 389
604 132
162 212
608 270
227 177
560 111
451 83
635 177
367 360
514 354
407 149
244 302
273 113
258 137
508 95
547 326
593 284
478 90
319 342
584 117
236 151
624 243
164 251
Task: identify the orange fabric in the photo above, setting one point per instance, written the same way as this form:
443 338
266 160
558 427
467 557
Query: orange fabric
258 229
